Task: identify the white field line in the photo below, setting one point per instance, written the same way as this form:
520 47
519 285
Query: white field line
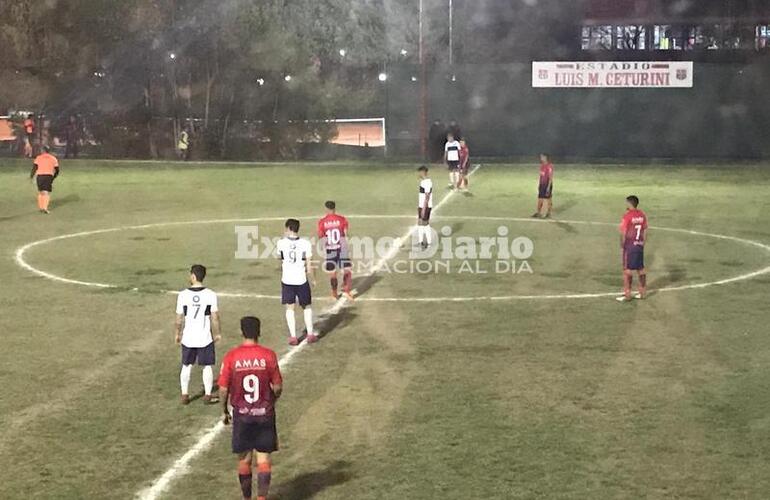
21 261
180 467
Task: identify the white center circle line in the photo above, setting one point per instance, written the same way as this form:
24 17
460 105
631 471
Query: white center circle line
21 261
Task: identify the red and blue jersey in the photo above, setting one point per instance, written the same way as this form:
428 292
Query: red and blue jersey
633 227
334 228
249 372
546 173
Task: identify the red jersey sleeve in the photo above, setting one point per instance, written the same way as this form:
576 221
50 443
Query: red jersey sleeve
275 376
624 223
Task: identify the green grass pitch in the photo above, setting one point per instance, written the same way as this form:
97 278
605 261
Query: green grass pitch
505 399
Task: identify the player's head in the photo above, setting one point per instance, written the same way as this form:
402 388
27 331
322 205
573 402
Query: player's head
197 273
292 226
250 327
46 149
544 157
450 137
632 201
330 207
422 171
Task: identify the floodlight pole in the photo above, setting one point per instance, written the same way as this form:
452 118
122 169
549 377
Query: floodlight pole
451 30
423 88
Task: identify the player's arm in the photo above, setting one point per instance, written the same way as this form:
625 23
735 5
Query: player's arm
216 329
224 388
426 204
276 380
56 171
33 171
178 323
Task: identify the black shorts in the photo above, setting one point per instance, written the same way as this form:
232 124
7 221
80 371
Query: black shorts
452 165
205 356
45 183
545 190
633 259
291 294
337 259
425 218
259 434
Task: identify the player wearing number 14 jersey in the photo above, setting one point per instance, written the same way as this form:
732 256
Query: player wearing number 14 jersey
250 381
333 229
633 235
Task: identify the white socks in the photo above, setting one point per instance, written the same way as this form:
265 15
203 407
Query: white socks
308 312
290 322
208 379
424 233
184 378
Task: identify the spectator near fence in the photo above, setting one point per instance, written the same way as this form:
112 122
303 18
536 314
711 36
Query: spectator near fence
72 136
436 141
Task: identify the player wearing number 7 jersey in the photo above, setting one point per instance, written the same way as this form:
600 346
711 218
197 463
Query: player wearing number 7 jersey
633 236
197 329
333 229
250 381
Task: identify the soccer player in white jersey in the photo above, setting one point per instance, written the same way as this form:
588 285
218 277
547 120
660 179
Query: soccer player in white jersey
295 254
424 207
452 159
196 330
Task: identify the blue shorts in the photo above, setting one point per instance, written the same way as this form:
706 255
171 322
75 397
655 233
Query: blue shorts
253 434
633 259
291 294
544 190
205 356
336 259
453 165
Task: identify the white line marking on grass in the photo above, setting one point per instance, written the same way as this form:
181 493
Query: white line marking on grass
181 466
21 260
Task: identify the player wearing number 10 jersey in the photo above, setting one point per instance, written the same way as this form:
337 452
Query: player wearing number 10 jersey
633 235
250 381
333 229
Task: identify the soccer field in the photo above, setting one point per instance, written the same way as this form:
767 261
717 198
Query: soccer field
445 385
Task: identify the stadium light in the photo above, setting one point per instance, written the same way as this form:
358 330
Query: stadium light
382 77
414 78
172 56
454 78
404 52
343 52
287 78
260 81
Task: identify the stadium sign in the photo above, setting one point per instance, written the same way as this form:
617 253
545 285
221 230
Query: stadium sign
612 74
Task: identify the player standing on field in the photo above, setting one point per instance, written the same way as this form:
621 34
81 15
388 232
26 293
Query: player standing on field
633 235
333 228
295 254
465 163
250 381
452 159
46 168
545 187
198 312
424 207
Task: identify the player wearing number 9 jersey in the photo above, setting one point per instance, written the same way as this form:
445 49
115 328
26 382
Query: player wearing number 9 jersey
333 229
633 235
295 254
250 381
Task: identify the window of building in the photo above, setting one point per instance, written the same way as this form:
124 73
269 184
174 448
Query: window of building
669 37
630 37
597 38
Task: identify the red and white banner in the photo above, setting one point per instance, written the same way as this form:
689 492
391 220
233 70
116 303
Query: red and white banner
612 74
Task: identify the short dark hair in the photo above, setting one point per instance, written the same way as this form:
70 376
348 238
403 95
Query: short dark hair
292 225
199 271
422 168
47 148
330 205
633 200
250 327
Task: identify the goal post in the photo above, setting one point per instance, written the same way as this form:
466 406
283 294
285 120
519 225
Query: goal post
361 132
